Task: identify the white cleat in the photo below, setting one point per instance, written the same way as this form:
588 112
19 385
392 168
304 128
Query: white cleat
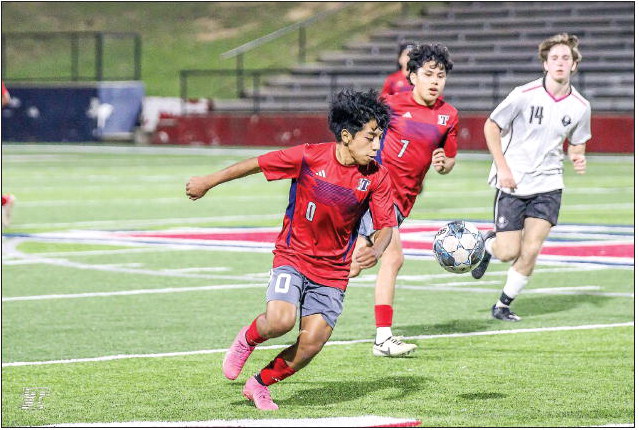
393 347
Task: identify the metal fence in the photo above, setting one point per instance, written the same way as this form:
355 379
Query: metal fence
495 85
71 56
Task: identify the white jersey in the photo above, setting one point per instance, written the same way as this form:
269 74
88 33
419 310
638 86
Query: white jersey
534 126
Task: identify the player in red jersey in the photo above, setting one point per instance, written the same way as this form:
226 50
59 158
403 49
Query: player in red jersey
332 185
7 199
398 82
423 131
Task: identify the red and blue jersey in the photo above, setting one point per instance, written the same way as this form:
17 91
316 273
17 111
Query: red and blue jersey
326 202
407 146
395 83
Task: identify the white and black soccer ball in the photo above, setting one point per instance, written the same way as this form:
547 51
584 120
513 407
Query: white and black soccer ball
458 246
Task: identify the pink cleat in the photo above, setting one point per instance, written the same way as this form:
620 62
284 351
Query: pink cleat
237 355
259 395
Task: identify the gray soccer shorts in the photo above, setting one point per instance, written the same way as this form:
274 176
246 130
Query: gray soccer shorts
511 211
366 223
289 285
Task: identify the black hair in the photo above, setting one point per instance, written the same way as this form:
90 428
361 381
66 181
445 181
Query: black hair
350 110
405 44
422 54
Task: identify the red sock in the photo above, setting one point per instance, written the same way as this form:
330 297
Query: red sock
383 315
5 199
252 335
276 371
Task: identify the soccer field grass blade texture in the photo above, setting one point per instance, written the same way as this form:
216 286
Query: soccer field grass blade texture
120 297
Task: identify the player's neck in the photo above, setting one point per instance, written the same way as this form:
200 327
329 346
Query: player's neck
343 155
555 88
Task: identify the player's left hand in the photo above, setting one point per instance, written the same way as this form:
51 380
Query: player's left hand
366 257
579 163
197 187
439 160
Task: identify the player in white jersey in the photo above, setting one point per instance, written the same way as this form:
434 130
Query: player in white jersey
525 136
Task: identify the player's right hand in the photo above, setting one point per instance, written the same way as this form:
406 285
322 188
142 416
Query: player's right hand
505 179
197 187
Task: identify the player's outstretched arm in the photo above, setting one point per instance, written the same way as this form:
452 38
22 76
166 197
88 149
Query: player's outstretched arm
198 186
577 154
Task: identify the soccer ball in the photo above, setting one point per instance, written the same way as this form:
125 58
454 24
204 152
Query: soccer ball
458 246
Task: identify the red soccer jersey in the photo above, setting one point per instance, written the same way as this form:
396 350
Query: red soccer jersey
395 83
407 146
326 202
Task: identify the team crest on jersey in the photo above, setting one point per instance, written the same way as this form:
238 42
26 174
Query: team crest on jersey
566 120
363 184
442 119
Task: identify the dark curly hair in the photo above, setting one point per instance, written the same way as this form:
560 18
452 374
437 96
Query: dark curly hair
351 110
405 44
429 52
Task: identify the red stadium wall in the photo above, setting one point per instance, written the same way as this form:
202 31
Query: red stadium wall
612 133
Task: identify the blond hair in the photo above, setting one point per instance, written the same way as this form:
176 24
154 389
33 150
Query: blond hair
571 41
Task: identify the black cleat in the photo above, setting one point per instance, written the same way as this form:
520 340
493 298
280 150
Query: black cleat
504 314
479 271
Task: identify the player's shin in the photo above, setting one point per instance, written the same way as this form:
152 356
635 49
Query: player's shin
276 371
515 283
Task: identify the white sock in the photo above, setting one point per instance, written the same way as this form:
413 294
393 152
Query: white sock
383 333
488 245
515 282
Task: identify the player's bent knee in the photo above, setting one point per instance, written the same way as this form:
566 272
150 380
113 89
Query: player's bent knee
394 260
508 255
279 325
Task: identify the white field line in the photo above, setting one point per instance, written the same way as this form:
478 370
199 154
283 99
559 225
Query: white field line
447 287
331 422
133 292
125 224
132 200
100 252
100 202
330 343
133 271
11 149
9 249
151 222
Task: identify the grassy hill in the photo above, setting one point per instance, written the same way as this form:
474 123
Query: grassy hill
183 35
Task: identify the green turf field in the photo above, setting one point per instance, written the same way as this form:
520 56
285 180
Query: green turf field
143 327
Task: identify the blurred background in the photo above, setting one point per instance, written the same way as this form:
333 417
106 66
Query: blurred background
261 73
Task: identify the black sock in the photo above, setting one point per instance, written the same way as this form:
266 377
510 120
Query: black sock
505 299
259 379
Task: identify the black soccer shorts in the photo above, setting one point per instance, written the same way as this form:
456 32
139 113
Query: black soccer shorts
511 211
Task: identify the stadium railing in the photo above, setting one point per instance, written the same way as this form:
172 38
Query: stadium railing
499 85
96 45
